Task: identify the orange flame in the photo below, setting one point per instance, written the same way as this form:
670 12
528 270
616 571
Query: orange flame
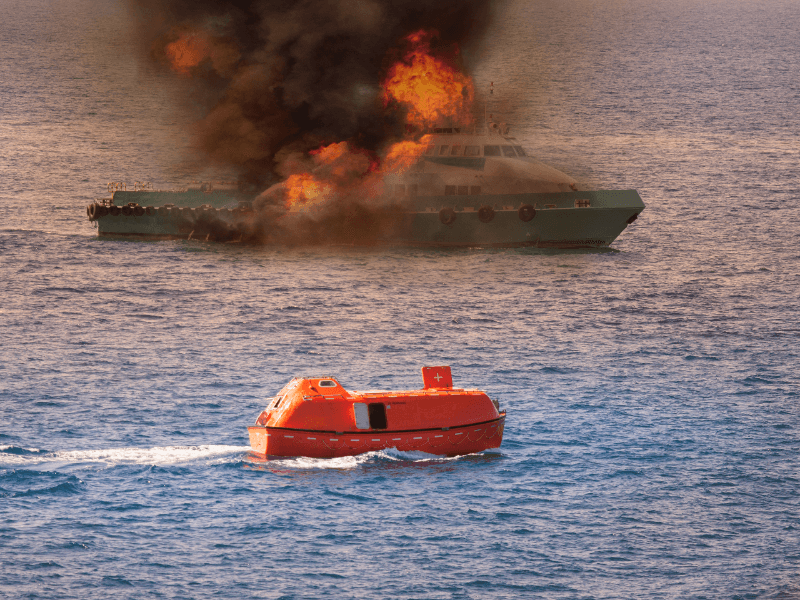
428 87
194 47
334 169
303 189
187 52
402 155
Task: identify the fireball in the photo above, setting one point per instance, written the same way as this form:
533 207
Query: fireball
430 89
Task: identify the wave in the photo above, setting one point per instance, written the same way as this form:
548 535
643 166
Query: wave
160 455
22 483
17 450
388 455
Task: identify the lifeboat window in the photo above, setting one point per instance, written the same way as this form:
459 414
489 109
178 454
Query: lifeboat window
582 203
475 190
278 401
449 190
455 149
472 150
327 383
430 149
400 190
377 415
443 149
491 150
463 190
520 150
509 151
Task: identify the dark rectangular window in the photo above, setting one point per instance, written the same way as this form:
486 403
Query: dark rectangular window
443 150
463 190
491 150
475 190
472 150
449 190
509 151
377 415
520 150
455 150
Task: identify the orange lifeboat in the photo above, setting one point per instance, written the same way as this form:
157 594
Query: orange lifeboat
317 417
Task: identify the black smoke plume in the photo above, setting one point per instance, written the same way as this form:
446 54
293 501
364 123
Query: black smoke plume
280 77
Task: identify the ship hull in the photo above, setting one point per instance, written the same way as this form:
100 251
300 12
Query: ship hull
452 441
557 220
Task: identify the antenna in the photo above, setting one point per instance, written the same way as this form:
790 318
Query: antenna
486 103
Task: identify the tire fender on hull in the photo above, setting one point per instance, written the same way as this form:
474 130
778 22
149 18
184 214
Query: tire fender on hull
526 212
447 216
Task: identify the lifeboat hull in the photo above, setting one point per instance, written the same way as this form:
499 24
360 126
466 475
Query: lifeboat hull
453 441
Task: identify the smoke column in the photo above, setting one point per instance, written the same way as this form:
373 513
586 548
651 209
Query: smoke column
281 77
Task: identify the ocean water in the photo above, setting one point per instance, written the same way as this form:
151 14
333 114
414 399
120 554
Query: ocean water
653 397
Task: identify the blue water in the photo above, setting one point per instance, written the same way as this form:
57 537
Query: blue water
653 397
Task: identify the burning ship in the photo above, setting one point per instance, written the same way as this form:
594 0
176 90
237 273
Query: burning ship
472 188
452 182
317 417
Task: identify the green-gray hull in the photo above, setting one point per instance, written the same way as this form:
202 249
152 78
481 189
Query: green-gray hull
558 220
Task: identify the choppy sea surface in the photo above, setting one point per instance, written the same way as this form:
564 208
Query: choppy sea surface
653 397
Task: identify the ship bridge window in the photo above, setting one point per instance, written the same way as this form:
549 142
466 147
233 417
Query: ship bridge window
455 150
472 150
430 149
443 150
491 150
328 383
509 151
520 150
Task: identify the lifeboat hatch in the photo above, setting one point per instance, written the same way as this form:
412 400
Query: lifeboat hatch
362 415
377 415
372 416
